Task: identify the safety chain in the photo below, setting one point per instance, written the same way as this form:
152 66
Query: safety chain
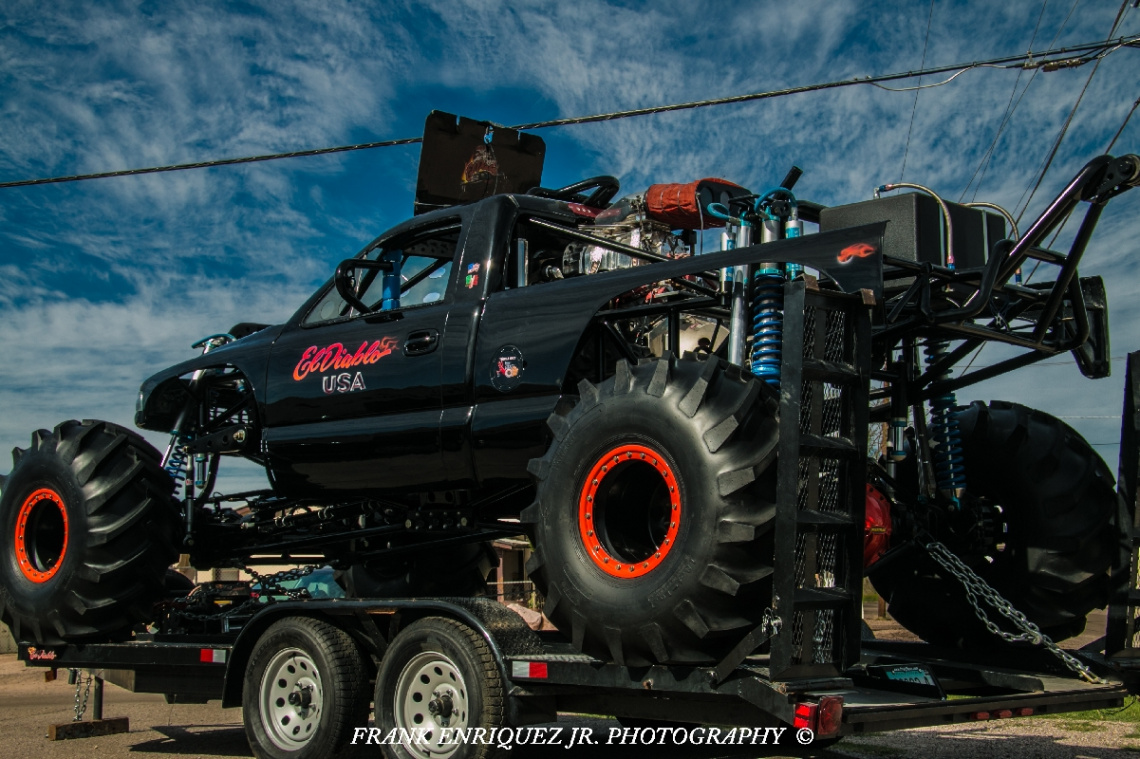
978 590
81 708
270 586
272 582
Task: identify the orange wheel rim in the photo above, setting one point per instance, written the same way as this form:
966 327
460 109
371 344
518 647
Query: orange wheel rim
629 511
41 535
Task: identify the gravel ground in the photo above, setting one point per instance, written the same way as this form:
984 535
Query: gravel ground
1016 739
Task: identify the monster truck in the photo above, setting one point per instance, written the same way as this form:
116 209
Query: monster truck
562 363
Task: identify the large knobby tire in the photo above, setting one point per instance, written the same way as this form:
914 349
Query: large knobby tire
305 691
653 514
439 673
87 530
455 571
1058 534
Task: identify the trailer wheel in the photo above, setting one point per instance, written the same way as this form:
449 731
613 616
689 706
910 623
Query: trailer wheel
456 571
87 529
653 513
439 674
1056 543
305 690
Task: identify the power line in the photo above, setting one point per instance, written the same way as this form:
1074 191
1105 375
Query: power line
1010 108
1072 113
914 106
1028 60
1118 131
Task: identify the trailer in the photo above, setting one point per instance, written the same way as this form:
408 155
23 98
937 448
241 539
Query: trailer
486 669
452 666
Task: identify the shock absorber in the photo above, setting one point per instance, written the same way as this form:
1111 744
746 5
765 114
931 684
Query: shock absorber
767 322
949 461
175 462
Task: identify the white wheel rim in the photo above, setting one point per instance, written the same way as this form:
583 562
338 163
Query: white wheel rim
430 695
292 699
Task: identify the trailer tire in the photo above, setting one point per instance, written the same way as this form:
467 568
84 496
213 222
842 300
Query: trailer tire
87 530
439 670
454 571
1060 536
305 690
653 512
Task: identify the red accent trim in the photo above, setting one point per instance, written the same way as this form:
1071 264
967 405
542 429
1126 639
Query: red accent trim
23 558
858 250
604 466
584 211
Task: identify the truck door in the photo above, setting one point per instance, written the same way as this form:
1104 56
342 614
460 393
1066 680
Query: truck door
353 399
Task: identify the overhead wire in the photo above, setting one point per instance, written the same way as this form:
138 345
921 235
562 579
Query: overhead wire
1027 60
1010 108
914 106
1068 121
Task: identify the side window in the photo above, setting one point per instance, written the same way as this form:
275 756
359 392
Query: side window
425 262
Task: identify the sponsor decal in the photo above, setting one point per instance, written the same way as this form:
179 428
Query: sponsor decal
858 250
40 654
507 369
342 383
472 276
317 360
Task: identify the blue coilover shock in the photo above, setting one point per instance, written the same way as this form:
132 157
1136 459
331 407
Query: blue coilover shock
175 464
949 461
767 322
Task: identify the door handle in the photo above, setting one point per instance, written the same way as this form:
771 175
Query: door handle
421 342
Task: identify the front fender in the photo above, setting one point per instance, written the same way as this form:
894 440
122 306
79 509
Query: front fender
163 395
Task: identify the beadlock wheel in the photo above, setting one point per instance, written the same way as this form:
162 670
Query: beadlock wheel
653 514
41 535
629 511
88 528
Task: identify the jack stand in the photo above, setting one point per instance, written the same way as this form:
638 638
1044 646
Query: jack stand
97 725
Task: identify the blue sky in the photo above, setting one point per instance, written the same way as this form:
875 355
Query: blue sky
103 283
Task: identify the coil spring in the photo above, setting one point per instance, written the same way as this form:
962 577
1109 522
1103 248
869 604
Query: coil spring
176 465
767 324
949 461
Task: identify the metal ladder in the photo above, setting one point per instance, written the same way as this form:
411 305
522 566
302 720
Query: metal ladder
821 482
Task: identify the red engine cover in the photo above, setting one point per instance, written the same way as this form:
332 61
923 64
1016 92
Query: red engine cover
680 205
876 527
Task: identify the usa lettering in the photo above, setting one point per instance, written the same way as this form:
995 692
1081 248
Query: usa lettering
342 383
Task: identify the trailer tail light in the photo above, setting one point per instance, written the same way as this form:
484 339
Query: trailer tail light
212 655
823 718
532 670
